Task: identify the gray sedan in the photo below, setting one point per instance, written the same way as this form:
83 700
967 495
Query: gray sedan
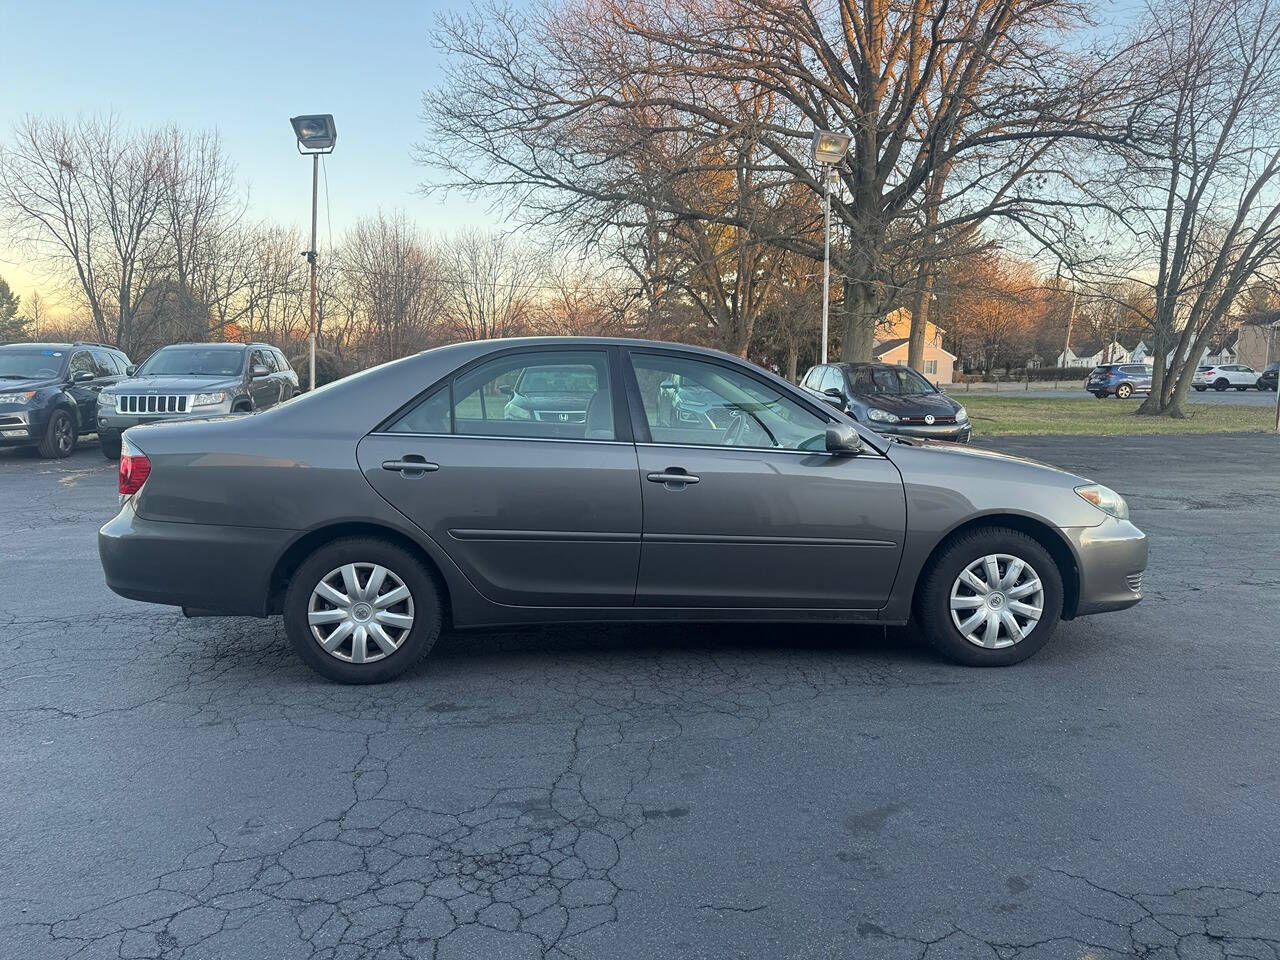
375 509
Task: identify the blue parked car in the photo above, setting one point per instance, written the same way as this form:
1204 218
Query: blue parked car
1121 380
49 392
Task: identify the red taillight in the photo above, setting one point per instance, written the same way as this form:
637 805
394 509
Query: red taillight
134 470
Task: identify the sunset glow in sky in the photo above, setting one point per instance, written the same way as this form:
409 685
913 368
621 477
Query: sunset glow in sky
244 68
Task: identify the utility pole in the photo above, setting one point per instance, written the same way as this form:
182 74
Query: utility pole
826 255
311 259
1071 319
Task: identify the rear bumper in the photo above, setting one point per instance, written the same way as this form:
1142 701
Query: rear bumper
216 568
1113 559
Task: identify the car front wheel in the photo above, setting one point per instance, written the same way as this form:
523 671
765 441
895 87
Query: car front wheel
362 610
992 598
59 438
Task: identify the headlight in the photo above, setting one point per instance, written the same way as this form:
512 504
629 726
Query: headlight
962 415
1105 499
882 416
208 399
513 411
106 400
17 397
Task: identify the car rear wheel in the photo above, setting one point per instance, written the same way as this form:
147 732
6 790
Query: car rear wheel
362 610
992 598
1124 391
1221 384
1201 389
59 438
1243 389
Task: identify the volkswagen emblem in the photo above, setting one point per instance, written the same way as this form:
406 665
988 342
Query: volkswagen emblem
929 419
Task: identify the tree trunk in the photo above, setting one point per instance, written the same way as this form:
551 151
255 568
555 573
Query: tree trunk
792 355
860 313
920 315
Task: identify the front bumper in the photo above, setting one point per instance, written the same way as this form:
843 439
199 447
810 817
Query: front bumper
1113 560
217 568
956 432
16 427
113 422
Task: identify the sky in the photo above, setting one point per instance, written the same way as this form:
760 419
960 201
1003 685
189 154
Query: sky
244 68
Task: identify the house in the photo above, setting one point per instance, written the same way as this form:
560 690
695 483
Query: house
892 345
1093 353
1258 342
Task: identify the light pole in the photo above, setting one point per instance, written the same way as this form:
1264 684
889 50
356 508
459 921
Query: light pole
828 150
316 134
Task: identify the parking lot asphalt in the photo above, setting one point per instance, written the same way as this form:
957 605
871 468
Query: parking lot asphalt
187 789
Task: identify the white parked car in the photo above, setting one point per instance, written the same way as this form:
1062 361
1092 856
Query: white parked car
1223 375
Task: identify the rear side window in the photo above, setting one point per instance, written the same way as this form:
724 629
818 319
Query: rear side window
282 362
813 378
551 395
1137 369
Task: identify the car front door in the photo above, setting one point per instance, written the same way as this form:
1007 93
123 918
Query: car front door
86 382
538 508
748 509
265 389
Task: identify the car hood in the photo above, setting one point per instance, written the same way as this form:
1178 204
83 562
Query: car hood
157 385
20 386
938 404
553 401
943 448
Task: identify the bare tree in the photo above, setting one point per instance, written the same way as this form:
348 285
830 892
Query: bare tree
391 276
553 105
1192 204
494 284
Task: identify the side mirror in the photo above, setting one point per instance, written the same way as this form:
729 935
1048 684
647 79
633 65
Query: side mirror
506 391
259 371
843 439
84 376
835 397
130 370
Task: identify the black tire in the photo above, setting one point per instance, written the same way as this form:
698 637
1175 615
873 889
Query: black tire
1221 384
1124 391
1101 396
424 591
109 442
59 438
242 406
1201 389
933 597
1242 389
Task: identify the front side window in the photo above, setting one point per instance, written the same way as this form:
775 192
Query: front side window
555 395
81 362
696 402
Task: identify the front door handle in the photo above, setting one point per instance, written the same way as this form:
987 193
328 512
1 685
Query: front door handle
411 466
674 477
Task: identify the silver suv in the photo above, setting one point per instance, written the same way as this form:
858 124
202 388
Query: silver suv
194 380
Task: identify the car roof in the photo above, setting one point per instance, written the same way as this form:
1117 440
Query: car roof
861 364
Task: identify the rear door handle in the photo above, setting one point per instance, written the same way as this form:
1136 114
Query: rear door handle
674 477
411 466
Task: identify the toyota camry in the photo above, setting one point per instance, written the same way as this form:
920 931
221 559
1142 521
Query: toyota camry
371 512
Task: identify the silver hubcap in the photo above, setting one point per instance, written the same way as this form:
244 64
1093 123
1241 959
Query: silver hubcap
997 601
360 612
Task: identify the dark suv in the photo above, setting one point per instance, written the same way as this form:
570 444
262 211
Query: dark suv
1267 379
195 380
890 399
49 392
1121 380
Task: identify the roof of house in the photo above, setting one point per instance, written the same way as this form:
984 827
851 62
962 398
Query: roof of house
884 346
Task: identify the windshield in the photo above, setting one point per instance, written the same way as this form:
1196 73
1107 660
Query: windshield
29 364
891 381
193 362
575 379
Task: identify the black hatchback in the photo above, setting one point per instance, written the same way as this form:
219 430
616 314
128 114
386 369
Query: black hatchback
890 399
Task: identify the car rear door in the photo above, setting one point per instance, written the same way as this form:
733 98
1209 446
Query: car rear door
751 510
535 512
